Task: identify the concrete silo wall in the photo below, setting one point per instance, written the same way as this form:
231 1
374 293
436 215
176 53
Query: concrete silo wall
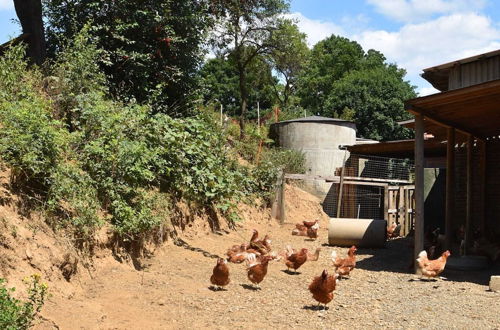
320 142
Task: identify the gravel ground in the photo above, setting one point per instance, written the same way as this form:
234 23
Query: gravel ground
173 293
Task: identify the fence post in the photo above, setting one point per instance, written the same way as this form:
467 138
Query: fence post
341 186
278 206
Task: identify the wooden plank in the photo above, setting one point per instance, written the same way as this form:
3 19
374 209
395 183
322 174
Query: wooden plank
468 215
336 179
355 178
401 206
450 187
386 204
419 186
444 122
405 229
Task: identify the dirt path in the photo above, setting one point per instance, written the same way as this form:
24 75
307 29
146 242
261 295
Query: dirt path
173 293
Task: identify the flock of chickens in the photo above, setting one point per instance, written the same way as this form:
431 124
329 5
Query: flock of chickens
257 254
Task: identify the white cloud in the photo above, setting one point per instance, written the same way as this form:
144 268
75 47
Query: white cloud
6 4
418 46
316 30
427 91
419 10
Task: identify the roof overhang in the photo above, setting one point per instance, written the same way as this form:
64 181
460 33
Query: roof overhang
438 75
399 149
473 110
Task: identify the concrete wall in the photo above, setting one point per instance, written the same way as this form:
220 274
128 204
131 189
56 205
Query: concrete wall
320 142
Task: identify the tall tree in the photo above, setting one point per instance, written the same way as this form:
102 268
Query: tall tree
289 56
330 60
29 13
152 49
245 29
220 81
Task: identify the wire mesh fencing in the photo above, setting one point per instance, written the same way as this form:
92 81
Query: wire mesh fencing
368 187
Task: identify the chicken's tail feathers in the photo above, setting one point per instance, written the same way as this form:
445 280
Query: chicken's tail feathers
295 232
422 255
334 256
251 259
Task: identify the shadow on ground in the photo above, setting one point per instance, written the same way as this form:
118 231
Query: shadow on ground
397 257
186 245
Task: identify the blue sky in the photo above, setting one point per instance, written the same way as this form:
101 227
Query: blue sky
415 34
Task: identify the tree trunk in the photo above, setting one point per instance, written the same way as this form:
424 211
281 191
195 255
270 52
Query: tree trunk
244 99
29 13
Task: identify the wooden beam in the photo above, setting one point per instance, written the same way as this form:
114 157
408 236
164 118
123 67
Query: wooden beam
419 186
468 213
482 187
442 122
450 186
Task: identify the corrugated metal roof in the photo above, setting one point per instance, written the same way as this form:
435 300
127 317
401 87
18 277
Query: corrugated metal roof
314 119
464 60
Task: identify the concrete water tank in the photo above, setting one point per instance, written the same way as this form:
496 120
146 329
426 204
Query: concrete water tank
319 139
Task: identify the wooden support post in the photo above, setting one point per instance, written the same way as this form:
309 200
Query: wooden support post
468 214
419 185
341 186
482 191
282 199
386 205
450 186
278 205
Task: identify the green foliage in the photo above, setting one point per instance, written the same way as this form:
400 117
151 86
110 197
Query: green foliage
220 81
110 161
31 141
16 314
330 60
273 162
288 56
244 31
151 49
341 80
374 100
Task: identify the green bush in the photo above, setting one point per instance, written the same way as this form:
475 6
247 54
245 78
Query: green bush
16 314
274 161
104 157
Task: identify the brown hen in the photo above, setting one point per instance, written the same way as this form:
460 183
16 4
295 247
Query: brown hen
322 287
344 266
432 268
220 274
257 271
296 260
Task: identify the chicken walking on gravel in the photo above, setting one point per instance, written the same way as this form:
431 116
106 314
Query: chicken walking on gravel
220 274
432 268
322 287
256 271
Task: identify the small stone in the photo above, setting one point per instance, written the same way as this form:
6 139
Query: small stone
495 283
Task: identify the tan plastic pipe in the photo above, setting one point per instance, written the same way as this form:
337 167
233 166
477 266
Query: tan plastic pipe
359 232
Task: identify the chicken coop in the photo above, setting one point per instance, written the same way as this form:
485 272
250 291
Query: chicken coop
368 187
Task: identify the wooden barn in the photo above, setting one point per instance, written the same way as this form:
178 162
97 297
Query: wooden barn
457 130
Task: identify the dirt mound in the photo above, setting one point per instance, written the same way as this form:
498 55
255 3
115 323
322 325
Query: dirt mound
28 245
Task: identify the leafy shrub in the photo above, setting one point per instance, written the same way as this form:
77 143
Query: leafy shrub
275 161
31 141
16 314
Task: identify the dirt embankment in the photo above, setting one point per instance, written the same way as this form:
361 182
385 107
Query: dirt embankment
172 291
